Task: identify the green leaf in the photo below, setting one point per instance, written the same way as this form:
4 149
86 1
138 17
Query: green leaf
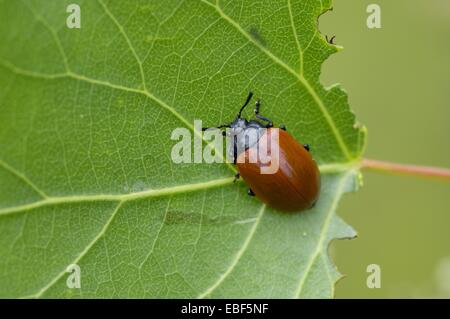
85 171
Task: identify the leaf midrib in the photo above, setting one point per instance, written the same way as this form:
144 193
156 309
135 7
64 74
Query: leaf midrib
171 190
178 189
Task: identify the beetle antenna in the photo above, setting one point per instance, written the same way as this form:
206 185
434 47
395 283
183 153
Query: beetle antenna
249 97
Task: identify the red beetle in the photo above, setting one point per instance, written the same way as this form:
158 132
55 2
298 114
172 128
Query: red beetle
295 184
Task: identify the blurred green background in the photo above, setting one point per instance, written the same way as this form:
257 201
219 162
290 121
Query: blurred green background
398 80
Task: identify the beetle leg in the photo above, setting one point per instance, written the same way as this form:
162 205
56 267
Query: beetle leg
263 118
257 106
236 177
234 149
283 127
306 146
250 192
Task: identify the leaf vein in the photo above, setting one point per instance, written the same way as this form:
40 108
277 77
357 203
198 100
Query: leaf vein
323 234
80 77
52 32
294 31
237 257
332 168
81 255
302 80
127 39
22 177
185 188
152 248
